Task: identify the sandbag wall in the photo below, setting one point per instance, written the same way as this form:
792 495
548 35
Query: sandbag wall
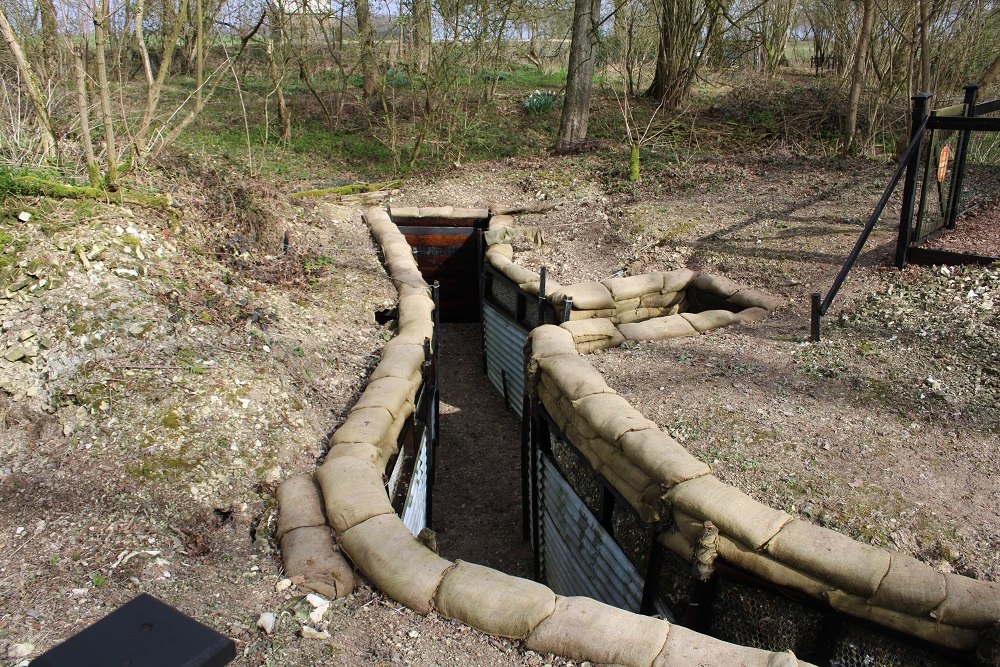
374 538
661 481
650 306
712 525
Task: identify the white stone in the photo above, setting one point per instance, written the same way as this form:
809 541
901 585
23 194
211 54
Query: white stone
266 622
312 633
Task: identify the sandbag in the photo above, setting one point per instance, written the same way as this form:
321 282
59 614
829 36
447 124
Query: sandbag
407 290
717 285
395 561
353 491
404 211
409 276
687 648
401 360
677 280
573 376
934 631
586 296
470 213
369 425
400 266
551 287
827 555
675 542
493 602
415 308
545 342
394 394
622 305
498 221
661 457
311 554
374 214
633 287
501 249
752 315
751 298
299 504
581 628
358 450
769 569
708 320
658 328
586 331
970 603
661 300
643 314
436 211
611 416
518 274
588 314
735 513
415 332
910 586
595 345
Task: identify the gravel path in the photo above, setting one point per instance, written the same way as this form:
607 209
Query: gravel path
477 509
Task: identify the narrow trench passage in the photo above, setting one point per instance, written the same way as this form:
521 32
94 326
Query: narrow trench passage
477 492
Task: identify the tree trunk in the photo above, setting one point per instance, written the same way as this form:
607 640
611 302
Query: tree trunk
83 103
991 73
422 34
50 41
153 93
682 25
31 84
858 75
925 50
276 78
104 91
580 76
366 37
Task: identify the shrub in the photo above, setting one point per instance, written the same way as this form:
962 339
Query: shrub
539 102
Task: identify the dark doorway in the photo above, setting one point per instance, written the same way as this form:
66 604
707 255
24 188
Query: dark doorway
448 250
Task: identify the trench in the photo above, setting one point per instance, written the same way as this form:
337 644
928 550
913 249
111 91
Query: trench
477 491
477 480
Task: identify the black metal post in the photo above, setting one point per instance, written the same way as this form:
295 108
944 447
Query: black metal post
525 468
541 295
567 308
815 314
651 582
917 117
435 396
958 176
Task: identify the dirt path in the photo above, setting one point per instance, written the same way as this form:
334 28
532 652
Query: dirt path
477 513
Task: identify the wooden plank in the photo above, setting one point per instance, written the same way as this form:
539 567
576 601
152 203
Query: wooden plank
436 241
469 223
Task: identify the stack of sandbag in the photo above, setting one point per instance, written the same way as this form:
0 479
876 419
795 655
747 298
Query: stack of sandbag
658 476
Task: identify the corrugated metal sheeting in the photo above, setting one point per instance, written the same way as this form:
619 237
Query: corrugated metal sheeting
414 513
504 355
578 556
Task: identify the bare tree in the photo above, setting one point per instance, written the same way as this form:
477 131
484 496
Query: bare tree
858 75
31 85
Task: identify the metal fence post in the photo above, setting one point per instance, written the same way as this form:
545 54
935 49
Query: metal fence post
567 308
917 117
958 176
815 314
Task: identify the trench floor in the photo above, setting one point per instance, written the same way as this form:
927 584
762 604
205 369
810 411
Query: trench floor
477 488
